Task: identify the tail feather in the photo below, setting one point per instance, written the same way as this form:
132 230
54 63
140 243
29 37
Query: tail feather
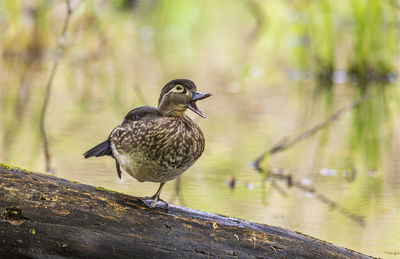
102 149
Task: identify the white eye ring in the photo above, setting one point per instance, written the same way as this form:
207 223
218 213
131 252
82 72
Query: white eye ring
179 88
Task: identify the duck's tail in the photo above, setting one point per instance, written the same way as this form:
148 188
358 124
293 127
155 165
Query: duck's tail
102 149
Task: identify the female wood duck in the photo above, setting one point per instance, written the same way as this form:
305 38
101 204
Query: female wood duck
157 144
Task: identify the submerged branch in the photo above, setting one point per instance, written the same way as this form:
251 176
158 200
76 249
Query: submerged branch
285 144
309 189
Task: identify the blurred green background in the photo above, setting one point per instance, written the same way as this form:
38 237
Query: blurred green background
275 68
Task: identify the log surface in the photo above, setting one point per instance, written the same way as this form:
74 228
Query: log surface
43 216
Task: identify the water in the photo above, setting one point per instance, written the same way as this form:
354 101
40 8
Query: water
231 143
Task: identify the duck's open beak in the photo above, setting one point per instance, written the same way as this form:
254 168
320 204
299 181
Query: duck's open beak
196 96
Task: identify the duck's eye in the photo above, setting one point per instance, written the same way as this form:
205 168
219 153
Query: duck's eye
179 88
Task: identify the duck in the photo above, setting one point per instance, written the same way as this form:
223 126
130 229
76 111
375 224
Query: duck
157 144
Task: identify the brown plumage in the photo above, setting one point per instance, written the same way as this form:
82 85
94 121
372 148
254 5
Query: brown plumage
158 144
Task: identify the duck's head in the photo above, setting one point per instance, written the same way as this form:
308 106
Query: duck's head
178 95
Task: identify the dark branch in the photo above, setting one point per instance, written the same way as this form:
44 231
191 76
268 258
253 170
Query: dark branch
59 52
45 216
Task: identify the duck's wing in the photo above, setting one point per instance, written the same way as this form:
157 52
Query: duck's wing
124 134
104 148
139 113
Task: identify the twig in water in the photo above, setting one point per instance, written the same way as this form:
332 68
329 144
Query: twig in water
309 189
59 52
283 145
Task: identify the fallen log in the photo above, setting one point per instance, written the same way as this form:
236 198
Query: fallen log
43 216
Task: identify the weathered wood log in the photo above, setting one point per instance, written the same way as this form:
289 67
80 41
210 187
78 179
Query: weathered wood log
44 216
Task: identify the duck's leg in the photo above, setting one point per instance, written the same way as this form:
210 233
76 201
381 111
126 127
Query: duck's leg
118 168
156 196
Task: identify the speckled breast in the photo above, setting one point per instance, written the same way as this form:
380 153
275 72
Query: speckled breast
157 149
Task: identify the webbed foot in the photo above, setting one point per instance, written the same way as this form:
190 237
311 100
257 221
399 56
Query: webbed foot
152 203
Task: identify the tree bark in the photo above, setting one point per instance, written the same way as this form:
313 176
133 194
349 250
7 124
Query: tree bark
43 216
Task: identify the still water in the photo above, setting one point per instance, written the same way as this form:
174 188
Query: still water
365 214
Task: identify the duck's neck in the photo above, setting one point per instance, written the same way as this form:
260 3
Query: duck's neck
171 110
